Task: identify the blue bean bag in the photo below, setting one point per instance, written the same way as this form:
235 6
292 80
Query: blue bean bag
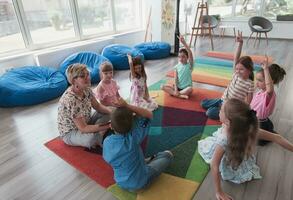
90 59
117 54
30 85
154 50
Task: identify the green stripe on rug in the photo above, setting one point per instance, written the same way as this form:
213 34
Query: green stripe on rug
198 168
157 85
120 193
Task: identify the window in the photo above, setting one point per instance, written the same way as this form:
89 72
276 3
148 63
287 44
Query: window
48 20
220 7
272 8
10 36
248 8
127 14
41 23
95 16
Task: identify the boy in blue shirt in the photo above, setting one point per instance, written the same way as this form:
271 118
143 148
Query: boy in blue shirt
123 152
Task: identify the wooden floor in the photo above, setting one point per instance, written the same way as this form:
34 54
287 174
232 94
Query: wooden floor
28 170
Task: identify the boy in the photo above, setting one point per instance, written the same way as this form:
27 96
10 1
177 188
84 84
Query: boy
123 152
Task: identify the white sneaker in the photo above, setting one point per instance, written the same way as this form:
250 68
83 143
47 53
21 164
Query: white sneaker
169 152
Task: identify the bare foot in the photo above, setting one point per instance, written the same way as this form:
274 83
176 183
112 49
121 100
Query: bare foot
182 96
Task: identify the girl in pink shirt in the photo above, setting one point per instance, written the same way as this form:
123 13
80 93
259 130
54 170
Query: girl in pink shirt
107 90
263 101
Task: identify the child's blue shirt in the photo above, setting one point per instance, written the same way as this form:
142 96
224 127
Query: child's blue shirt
124 154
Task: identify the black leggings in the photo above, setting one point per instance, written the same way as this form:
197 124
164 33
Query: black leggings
267 125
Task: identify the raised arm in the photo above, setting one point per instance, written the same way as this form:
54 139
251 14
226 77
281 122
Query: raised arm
268 79
276 138
131 65
139 111
216 160
190 55
237 54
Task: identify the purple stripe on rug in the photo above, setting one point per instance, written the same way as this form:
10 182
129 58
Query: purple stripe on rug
180 117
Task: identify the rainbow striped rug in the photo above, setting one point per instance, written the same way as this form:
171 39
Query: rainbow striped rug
177 125
213 71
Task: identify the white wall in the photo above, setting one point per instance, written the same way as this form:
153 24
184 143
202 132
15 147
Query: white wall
16 61
156 24
54 56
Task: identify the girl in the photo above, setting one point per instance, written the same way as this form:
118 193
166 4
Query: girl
263 101
241 86
231 148
107 90
139 94
183 82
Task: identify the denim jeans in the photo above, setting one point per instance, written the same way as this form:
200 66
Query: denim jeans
213 107
161 161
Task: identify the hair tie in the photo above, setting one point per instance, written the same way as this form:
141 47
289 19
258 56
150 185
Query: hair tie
251 113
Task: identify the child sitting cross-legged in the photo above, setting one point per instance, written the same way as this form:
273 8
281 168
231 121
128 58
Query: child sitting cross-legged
231 149
123 152
182 87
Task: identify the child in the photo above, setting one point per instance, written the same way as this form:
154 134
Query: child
231 148
263 101
241 86
139 94
122 149
107 90
183 82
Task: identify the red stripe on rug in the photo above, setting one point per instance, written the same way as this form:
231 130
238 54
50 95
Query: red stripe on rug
93 165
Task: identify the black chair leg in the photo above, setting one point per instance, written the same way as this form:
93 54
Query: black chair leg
249 38
267 38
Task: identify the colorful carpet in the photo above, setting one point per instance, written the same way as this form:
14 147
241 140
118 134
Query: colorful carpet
177 125
212 71
187 164
230 56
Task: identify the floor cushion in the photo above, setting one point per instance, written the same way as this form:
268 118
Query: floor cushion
91 59
117 54
30 85
154 50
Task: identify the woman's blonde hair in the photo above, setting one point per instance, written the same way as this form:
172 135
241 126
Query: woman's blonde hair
75 70
242 131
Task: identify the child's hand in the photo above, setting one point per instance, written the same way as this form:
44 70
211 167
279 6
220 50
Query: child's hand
239 37
120 102
104 127
223 196
129 56
181 39
265 63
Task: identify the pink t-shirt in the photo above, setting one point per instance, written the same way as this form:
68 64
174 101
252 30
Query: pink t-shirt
107 93
263 104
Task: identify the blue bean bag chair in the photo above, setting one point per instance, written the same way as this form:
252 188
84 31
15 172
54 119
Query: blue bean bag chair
30 85
90 59
154 50
117 54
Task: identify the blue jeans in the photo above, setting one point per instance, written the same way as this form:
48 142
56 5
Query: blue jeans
213 107
161 161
